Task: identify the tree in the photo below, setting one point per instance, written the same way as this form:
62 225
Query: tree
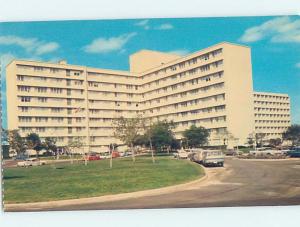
224 137
16 142
127 130
75 144
259 138
251 140
275 142
50 145
148 134
161 134
293 134
196 136
33 141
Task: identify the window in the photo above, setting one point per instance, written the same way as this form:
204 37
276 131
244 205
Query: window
38 68
55 110
52 70
69 82
24 109
24 119
20 78
24 88
42 99
41 89
25 99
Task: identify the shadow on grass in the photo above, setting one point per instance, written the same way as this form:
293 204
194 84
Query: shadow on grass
12 177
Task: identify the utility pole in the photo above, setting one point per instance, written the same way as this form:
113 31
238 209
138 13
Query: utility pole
111 156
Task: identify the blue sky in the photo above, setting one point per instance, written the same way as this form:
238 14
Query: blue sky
275 43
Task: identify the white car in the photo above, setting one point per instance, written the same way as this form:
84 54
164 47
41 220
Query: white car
31 162
181 154
104 155
266 151
122 153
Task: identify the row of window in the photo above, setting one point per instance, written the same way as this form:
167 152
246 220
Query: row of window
49 79
271 96
271 127
259 109
271 115
51 109
271 103
272 121
200 69
51 130
201 58
50 69
45 90
45 119
46 99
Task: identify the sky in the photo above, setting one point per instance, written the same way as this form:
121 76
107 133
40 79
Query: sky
274 41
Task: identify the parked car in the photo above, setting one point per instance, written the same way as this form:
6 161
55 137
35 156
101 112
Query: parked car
31 162
122 153
209 157
266 151
104 155
93 157
115 154
230 152
181 154
294 153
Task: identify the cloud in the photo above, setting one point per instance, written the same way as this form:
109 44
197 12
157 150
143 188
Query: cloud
31 45
298 65
180 52
46 48
143 23
278 30
106 45
5 59
165 27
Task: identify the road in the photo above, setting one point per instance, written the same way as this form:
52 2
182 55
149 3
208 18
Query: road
239 183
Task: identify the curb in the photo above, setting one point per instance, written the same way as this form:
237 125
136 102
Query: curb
105 198
269 160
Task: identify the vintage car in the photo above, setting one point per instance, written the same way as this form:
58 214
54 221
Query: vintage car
295 153
93 157
181 154
31 162
209 157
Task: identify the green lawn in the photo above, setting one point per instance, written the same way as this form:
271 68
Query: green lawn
67 181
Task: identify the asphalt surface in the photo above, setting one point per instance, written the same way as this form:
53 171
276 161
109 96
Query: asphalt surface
239 183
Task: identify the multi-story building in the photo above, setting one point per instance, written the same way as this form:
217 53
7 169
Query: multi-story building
210 88
271 114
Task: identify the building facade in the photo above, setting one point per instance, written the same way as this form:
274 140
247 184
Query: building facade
272 114
210 88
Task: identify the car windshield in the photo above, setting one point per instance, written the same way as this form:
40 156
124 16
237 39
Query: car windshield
214 153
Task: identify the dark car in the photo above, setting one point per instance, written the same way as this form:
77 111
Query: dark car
230 152
294 153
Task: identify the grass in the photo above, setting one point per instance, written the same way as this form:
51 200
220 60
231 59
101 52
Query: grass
245 149
67 181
